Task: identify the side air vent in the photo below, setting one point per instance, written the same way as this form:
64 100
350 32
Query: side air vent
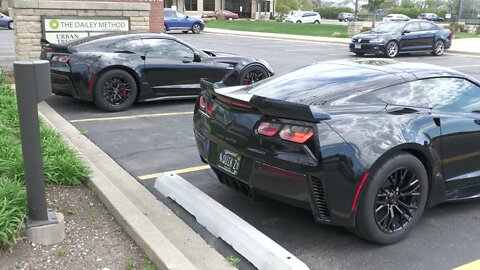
320 200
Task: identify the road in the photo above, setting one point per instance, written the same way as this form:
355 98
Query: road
145 141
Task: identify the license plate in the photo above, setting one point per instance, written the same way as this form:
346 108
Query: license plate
358 45
229 161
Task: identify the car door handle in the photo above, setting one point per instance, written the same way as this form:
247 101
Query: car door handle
477 121
186 61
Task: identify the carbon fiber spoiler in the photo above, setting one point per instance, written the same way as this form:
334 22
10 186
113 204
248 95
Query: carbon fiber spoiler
53 47
274 107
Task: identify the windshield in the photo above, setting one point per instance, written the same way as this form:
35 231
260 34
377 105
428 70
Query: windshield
389 27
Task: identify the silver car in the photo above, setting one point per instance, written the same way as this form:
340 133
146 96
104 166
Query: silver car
6 21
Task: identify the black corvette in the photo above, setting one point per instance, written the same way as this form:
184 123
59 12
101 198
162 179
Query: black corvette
364 144
115 70
394 37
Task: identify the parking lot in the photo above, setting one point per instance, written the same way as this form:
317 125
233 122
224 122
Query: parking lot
155 137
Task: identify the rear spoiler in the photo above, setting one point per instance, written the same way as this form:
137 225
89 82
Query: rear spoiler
274 107
52 47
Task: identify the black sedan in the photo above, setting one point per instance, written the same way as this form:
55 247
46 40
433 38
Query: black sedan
116 70
364 144
394 37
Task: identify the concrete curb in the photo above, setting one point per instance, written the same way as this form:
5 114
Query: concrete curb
165 238
259 249
327 40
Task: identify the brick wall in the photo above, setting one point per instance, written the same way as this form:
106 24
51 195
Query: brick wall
28 27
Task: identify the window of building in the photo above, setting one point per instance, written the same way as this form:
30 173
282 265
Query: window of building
209 5
191 5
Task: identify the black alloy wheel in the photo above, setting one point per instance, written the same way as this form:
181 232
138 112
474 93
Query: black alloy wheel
253 74
438 48
393 200
391 49
115 91
196 28
397 200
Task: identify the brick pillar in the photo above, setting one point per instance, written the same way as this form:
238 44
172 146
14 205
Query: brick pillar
156 17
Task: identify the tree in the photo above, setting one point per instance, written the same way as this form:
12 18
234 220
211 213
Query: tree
374 6
285 6
408 4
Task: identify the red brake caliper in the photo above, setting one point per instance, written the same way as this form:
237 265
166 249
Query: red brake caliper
124 91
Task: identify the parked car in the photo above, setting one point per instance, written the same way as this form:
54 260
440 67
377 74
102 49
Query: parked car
6 21
304 17
346 17
395 17
365 144
394 37
227 15
431 17
176 20
116 70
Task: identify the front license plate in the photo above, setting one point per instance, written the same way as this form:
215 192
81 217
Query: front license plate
358 45
229 161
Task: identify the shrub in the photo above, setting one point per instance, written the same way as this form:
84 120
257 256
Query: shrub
366 29
332 12
12 210
414 12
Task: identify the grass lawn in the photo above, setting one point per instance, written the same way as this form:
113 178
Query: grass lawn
466 35
321 30
62 166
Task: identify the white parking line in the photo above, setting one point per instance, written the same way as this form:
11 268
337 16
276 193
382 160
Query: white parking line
180 171
129 117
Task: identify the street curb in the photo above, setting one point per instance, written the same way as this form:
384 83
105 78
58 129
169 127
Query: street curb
163 236
255 246
327 40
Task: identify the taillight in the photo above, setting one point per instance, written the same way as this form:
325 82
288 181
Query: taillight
60 58
293 133
205 105
296 134
209 108
268 129
202 103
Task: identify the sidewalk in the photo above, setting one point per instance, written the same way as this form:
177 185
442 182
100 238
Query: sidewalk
464 46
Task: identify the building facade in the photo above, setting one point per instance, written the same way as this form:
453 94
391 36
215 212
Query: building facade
244 8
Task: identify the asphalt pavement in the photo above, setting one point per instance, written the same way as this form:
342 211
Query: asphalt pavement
155 137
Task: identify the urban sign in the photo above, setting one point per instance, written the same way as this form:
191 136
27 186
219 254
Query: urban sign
65 29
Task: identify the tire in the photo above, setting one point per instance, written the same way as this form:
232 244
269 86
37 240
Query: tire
391 49
438 48
11 25
398 189
252 74
166 27
196 28
115 90
299 21
316 22
359 53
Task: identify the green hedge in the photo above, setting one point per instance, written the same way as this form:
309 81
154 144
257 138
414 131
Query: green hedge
332 12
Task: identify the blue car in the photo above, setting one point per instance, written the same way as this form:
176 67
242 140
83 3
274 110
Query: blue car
6 21
176 20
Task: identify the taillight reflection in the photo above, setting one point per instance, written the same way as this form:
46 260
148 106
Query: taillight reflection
268 129
296 134
202 103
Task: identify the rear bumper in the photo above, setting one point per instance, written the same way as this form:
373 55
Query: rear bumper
368 48
62 84
294 184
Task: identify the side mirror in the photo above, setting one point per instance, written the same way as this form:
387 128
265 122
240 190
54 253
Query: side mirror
196 57
405 32
186 16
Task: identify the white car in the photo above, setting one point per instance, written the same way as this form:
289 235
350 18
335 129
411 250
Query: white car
395 17
304 17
